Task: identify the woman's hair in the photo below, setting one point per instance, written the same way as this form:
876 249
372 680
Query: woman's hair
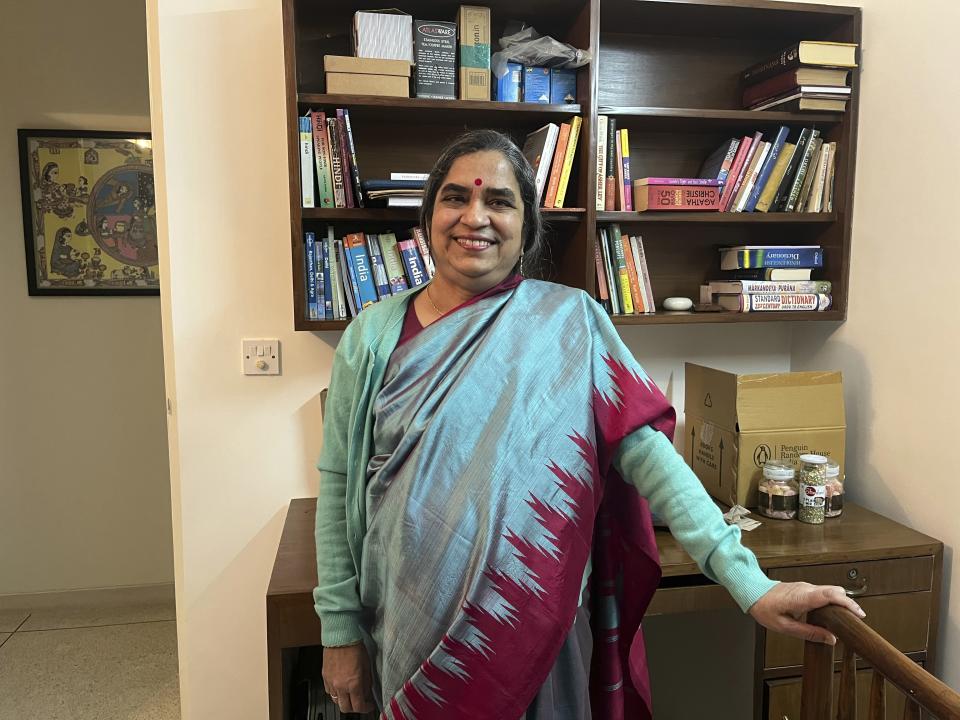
491 140
47 169
61 234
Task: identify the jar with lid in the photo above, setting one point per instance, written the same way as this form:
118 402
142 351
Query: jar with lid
813 489
777 493
834 505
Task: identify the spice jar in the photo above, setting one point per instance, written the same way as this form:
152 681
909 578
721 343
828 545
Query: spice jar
813 489
834 504
777 493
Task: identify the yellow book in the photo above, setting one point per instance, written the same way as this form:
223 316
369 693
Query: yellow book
575 122
625 163
625 291
776 176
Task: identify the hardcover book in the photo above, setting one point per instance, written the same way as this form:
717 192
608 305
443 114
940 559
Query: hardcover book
805 52
356 249
538 150
750 287
412 263
309 276
771 256
774 302
306 164
675 197
393 263
321 152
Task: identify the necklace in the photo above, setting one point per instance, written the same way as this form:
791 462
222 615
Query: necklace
440 313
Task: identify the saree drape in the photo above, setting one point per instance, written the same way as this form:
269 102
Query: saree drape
489 480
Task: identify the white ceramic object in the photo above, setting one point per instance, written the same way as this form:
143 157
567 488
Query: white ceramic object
677 303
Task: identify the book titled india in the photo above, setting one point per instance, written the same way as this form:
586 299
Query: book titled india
327 312
774 302
424 247
310 275
356 247
676 197
771 256
321 152
412 264
393 262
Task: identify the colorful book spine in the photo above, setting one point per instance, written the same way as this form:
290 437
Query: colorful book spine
776 178
811 175
801 174
345 160
627 184
352 152
351 297
309 279
336 164
379 269
730 197
618 171
424 247
637 297
751 287
643 274
412 264
318 278
603 294
338 298
321 154
623 278
728 160
698 182
306 164
753 174
783 192
557 165
571 153
393 263
771 257
609 262
356 245
775 302
327 312
675 197
768 164
742 150
610 181
601 161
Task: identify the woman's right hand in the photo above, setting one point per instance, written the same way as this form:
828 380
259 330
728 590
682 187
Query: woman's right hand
346 677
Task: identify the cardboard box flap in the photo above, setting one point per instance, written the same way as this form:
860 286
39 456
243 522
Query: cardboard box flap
788 401
711 394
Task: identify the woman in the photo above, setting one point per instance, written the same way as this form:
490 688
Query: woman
488 443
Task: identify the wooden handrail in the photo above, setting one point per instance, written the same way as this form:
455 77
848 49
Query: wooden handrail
919 686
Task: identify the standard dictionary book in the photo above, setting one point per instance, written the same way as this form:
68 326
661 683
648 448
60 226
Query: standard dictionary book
771 256
676 197
774 302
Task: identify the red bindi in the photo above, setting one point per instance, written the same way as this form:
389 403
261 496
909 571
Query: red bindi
478 182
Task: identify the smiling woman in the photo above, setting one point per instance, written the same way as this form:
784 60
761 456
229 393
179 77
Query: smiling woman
480 433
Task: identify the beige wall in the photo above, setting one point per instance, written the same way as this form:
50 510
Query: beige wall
83 456
899 348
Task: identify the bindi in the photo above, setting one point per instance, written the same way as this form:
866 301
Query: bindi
478 182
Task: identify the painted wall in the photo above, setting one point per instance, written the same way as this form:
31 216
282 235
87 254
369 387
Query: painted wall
83 455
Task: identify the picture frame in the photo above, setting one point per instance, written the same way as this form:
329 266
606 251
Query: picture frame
89 212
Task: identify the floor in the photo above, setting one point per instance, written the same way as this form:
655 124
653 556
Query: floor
89 662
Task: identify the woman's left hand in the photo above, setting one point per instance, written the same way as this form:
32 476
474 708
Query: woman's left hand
784 606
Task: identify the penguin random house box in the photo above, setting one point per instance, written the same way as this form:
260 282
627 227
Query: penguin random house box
435 54
473 25
735 423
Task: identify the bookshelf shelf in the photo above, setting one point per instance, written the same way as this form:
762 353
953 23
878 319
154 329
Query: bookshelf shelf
692 318
732 118
382 214
714 218
470 109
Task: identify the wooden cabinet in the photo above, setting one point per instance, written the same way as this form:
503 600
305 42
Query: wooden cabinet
783 698
667 70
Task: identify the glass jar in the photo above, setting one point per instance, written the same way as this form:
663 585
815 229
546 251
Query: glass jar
834 506
813 489
777 493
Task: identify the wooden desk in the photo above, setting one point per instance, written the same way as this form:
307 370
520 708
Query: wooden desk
894 571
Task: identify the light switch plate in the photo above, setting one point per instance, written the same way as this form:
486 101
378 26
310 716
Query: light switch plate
260 356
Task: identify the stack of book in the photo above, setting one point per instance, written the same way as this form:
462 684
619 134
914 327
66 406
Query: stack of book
623 280
790 171
401 190
810 75
329 176
550 151
613 166
758 278
342 276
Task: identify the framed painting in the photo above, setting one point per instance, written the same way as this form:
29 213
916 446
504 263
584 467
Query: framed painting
89 216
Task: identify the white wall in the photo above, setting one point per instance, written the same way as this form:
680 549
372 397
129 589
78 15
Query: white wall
83 455
899 348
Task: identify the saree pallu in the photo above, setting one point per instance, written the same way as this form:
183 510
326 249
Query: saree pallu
493 437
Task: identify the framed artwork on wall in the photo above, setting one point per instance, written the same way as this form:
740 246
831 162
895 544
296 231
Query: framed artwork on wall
89 216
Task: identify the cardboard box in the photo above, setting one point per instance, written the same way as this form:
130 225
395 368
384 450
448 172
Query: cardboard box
735 423
536 85
509 87
384 34
474 27
563 86
358 84
365 66
435 52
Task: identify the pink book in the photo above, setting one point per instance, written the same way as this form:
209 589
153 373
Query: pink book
703 182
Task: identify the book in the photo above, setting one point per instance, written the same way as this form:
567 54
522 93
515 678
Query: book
603 294
310 275
412 264
754 173
372 186
306 163
831 173
635 294
771 256
731 197
356 248
774 302
793 196
336 164
610 181
799 102
563 86
622 277
538 150
699 182
783 192
763 175
810 176
771 274
675 197
556 165
610 264
352 154
319 279
571 153
338 298
421 177
765 202
327 313
393 263
403 201
424 247
640 257
601 161
815 202
351 297
321 154
618 171
379 269
750 287
627 185
805 52
735 169
718 163
786 81
345 160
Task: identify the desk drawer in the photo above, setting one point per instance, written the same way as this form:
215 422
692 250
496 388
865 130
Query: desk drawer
903 620
863 579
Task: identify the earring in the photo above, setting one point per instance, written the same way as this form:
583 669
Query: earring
521 263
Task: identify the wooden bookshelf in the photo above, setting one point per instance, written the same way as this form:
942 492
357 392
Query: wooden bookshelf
668 70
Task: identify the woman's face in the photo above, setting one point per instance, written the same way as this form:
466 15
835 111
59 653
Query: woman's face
476 233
